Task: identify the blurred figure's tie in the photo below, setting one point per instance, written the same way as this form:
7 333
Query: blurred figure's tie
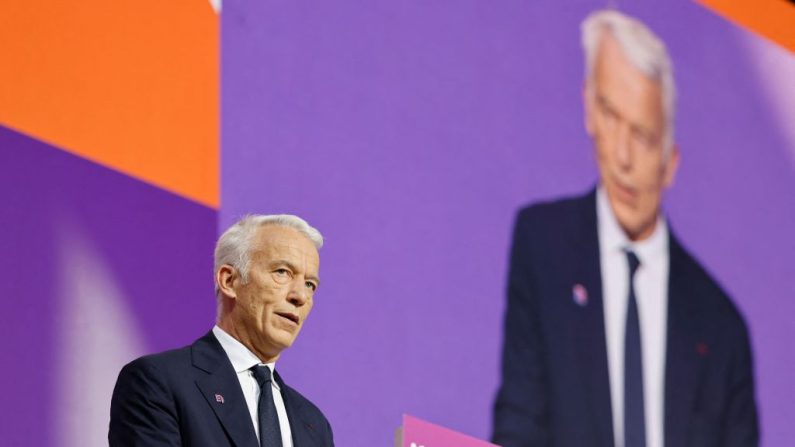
634 421
270 435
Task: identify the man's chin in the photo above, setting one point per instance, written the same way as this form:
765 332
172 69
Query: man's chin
636 229
284 339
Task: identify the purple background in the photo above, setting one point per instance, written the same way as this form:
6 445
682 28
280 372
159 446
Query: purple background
157 247
410 132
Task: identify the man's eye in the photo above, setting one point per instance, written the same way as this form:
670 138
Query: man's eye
282 272
644 139
311 286
609 113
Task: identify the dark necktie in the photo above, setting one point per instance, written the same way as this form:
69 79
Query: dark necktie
634 421
269 433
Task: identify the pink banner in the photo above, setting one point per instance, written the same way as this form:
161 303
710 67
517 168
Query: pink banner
418 433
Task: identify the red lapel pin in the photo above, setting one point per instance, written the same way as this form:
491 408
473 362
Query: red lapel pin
219 398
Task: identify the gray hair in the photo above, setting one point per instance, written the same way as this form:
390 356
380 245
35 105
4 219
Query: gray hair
644 50
234 246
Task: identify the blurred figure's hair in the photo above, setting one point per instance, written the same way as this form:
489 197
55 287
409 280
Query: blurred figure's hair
642 48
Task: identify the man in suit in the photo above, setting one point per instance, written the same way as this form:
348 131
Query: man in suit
223 389
614 335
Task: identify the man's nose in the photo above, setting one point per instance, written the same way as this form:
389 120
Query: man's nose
623 146
299 293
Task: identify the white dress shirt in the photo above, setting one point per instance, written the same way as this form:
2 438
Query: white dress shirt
651 292
242 360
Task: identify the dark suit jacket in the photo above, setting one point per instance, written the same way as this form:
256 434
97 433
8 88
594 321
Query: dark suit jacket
555 388
192 397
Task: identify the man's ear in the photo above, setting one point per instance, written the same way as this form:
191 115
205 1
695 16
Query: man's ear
671 166
227 278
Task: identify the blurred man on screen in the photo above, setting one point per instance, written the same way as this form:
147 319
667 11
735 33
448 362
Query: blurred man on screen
223 390
615 336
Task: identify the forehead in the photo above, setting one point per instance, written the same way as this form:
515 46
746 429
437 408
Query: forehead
622 83
273 241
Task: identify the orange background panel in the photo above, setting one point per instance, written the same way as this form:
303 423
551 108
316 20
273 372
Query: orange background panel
773 19
132 85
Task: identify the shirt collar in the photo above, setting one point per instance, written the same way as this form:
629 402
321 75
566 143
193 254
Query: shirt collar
613 239
241 357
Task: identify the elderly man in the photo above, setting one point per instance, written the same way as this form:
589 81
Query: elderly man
223 390
614 334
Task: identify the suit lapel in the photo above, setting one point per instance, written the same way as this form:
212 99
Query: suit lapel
683 365
221 388
303 432
591 325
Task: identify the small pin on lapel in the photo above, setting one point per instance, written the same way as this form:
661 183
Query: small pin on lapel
579 294
219 398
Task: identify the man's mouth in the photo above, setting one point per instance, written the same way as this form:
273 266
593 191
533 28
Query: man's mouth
289 316
625 194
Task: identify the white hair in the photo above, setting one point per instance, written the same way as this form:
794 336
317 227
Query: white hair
644 50
234 246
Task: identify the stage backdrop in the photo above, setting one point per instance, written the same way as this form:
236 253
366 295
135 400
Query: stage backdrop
408 132
109 179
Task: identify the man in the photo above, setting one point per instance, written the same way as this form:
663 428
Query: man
614 335
223 389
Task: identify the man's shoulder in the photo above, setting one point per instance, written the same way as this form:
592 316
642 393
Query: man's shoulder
562 217
163 365
163 359
558 207
160 368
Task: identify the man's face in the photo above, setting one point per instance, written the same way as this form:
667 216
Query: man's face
624 116
271 307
